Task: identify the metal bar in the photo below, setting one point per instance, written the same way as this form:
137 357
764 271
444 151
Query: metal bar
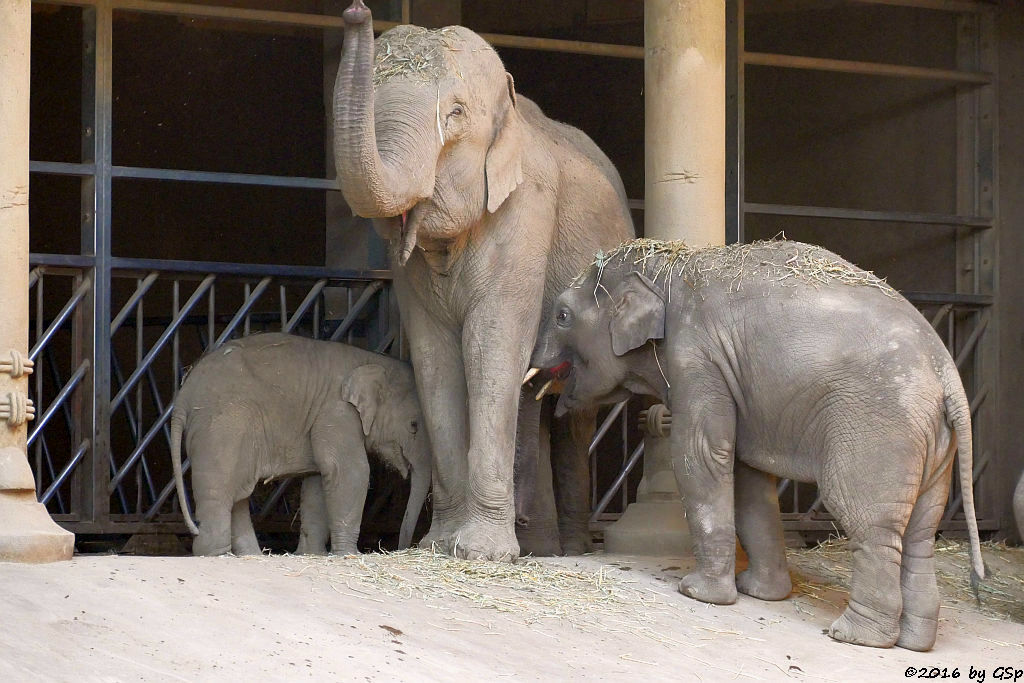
140 291
974 300
135 265
38 374
58 400
61 318
284 306
135 416
606 425
242 312
62 260
940 314
137 453
626 469
941 5
979 398
61 168
868 215
166 492
65 473
972 340
310 299
45 447
385 343
137 172
356 309
270 502
864 68
158 346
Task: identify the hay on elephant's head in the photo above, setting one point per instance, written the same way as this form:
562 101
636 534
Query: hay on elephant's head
776 261
413 50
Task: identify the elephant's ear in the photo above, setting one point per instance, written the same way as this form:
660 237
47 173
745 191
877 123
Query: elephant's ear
503 167
638 313
364 388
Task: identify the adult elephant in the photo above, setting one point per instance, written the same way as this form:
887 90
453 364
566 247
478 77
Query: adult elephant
492 208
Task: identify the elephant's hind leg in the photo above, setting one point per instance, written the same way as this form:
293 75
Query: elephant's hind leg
243 536
214 528
313 532
873 505
759 527
920 620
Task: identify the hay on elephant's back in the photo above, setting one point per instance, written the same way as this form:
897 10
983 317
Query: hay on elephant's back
413 50
775 261
527 589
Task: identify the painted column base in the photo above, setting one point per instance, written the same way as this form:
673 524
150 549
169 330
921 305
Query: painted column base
656 523
27 532
657 528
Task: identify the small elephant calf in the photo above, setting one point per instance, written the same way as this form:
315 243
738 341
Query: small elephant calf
782 359
277 405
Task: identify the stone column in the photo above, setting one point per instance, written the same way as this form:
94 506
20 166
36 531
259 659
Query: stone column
684 130
27 534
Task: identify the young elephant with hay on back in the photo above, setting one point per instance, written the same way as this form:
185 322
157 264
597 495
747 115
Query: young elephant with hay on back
780 358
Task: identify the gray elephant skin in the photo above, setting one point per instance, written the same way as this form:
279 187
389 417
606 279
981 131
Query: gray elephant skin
1018 507
780 358
276 405
491 209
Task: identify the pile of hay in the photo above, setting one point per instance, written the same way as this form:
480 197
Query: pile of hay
528 591
776 261
413 50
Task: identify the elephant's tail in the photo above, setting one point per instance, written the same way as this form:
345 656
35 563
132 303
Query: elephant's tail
958 416
177 427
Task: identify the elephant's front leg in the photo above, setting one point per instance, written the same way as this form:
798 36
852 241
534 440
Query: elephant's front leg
759 527
441 384
703 440
339 453
496 344
570 459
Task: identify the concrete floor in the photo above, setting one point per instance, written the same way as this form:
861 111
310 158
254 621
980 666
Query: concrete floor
120 618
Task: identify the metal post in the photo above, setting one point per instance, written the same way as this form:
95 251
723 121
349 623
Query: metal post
27 534
684 130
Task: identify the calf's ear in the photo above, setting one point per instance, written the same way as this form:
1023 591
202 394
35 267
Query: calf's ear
637 314
364 388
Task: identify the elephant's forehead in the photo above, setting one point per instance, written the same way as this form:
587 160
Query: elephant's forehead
428 54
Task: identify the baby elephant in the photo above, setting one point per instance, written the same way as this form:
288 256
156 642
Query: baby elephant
276 405
780 358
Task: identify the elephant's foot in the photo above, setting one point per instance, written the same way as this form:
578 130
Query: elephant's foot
207 547
311 546
917 633
342 549
857 629
714 589
479 540
577 542
764 585
538 541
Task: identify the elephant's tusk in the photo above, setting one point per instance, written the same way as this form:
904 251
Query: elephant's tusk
530 374
544 389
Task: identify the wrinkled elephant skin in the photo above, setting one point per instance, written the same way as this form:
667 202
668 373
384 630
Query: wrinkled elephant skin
276 405
491 208
779 358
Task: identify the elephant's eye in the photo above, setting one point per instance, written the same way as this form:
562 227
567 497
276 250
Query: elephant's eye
414 426
457 110
564 317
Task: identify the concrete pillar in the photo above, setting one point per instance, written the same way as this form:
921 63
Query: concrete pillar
27 534
684 130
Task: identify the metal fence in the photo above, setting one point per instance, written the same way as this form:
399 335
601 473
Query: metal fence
100 446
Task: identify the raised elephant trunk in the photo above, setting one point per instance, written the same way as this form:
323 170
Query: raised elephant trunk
373 186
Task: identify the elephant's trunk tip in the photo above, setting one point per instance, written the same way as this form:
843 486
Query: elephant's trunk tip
356 13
